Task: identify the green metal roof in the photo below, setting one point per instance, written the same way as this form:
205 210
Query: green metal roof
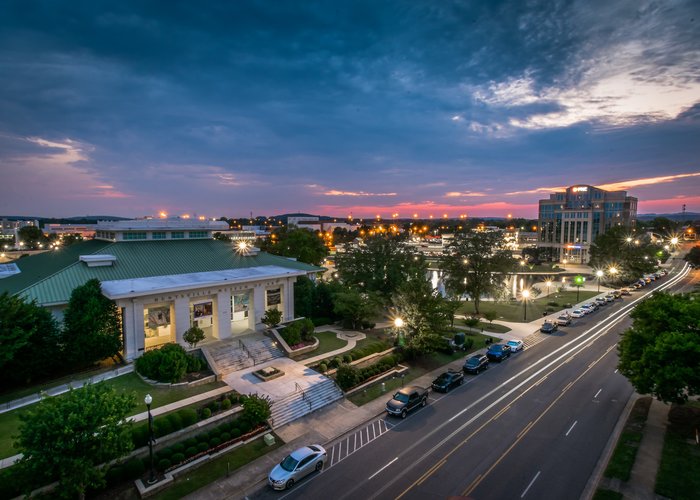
147 259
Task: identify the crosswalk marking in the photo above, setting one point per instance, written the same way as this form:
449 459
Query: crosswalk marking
346 447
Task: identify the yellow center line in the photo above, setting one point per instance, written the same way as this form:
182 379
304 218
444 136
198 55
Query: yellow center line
431 471
527 428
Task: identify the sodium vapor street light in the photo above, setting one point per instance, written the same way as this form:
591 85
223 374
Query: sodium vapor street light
526 295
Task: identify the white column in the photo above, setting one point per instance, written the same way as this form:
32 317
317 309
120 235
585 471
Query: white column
288 304
222 314
258 304
130 349
135 333
182 318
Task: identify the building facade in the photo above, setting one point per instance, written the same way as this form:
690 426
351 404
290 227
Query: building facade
165 277
570 221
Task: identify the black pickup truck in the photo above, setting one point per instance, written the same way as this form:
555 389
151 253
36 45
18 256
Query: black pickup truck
406 400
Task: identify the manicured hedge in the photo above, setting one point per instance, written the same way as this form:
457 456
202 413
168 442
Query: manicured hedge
349 376
298 331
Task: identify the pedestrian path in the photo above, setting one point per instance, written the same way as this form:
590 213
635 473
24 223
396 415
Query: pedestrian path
351 337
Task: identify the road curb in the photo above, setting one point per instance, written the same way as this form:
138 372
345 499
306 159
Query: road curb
594 480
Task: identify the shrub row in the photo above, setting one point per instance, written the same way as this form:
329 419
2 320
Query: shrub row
354 355
168 364
349 376
296 332
173 422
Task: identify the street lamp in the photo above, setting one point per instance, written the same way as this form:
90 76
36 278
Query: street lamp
613 271
548 284
599 274
398 324
151 440
526 295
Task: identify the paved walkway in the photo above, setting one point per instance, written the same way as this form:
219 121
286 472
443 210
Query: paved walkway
350 336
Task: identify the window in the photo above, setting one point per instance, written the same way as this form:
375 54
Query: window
198 234
158 235
177 235
134 236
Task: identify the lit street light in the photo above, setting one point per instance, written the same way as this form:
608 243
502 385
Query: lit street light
599 274
548 284
526 295
398 324
151 440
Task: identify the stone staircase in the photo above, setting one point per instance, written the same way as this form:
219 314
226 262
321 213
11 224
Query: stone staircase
304 401
232 355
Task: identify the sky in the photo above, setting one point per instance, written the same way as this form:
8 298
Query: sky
362 108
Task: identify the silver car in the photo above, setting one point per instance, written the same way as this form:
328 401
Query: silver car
296 466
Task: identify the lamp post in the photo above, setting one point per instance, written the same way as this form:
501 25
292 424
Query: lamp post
526 295
398 324
599 274
548 284
613 271
578 282
148 400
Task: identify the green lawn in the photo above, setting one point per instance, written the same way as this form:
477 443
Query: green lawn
162 395
327 342
622 460
416 369
679 471
514 311
217 468
601 494
486 326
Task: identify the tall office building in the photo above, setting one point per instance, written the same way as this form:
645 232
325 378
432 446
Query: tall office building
570 221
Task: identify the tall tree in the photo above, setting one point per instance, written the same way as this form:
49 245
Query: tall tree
425 314
476 265
355 307
302 244
31 236
693 256
659 353
68 437
381 265
632 255
92 327
30 342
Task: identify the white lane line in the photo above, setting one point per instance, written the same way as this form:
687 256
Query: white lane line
332 455
374 434
367 429
355 445
596 394
347 447
387 465
361 436
571 428
529 485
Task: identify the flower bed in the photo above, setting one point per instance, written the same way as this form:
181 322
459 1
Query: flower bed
269 373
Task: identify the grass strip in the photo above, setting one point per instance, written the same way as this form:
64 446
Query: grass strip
602 494
327 342
679 470
217 468
622 460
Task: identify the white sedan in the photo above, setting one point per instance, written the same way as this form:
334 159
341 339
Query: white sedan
577 313
516 345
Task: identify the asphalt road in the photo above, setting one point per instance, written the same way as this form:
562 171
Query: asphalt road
533 426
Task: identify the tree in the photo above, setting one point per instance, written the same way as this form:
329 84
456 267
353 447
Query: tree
256 408
425 314
31 236
381 265
490 316
68 438
632 258
272 318
355 307
304 297
693 256
659 353
30 342
92 327
302 244
476 265
193 336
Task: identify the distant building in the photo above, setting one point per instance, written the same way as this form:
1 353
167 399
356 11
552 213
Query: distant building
164 276
571 220
84 230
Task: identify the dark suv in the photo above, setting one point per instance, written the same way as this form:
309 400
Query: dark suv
448 380
476 363
498 352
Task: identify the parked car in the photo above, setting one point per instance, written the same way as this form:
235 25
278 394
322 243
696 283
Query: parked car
564 320
609 298
516 345
476 364
577 313
498 352
624 291
549 327
297 465
616 293
600 301
587 308
448 380
407 399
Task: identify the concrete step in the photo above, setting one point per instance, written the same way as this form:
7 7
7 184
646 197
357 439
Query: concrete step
300 403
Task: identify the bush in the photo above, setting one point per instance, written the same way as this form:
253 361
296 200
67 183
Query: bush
202 447
133 468
188 416
468 344
194 364
178 448
553 304
236 433
191 451
193 336
164 463
256 409
323 367
347 359
190 442
346 376
162 426
175 421
226 404
225 436
177 458
215 441
244 425
322 320
167 364
139 435
206 413
166 453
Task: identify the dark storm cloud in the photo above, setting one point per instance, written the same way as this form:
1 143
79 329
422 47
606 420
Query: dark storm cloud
228 105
